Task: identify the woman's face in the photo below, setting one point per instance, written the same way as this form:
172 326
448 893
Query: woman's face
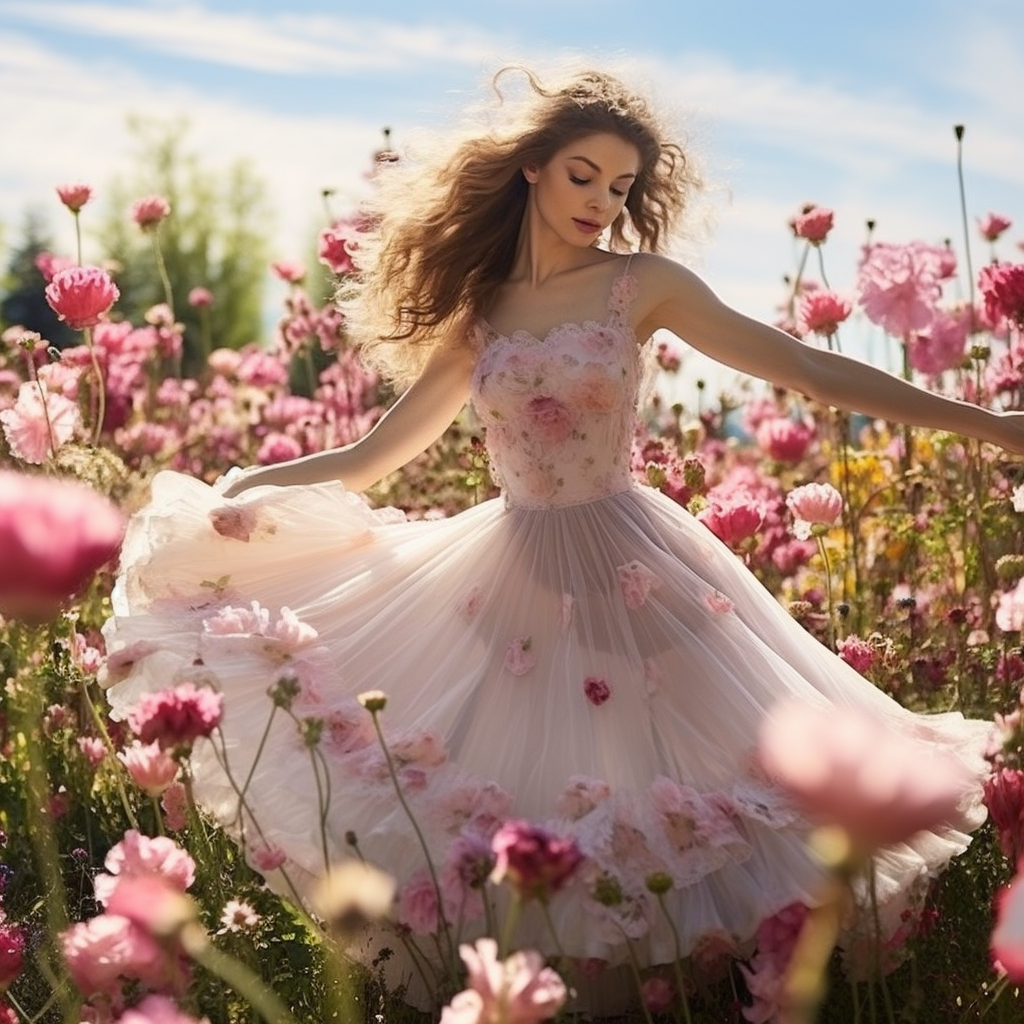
583 187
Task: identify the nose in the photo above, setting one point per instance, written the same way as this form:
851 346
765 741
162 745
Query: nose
600 200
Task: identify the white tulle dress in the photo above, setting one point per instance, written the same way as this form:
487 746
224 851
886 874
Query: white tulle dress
579 652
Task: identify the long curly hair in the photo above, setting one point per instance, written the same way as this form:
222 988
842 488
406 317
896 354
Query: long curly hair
442 231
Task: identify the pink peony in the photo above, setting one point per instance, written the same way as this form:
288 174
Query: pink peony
813 223
1004 798
138 856
536 862
596 690
75 196
177 717
899 285
992 226
1007 942
81 296
200 298
732 520
152 769
784 439
149 211
551 419
156 1009
855 771
821 312
39 422
814 504
519 990
941 345
54 535
1002 288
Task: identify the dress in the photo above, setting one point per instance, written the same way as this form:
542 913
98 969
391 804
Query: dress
579 652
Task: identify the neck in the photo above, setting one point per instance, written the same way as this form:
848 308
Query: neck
540 254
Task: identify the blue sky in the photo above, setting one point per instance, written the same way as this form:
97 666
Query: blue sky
849 105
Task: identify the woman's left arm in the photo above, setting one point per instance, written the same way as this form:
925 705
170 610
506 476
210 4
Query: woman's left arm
674 298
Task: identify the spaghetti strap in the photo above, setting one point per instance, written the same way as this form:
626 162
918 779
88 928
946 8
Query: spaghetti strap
623 292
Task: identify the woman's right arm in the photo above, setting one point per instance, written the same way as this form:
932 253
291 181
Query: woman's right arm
419 417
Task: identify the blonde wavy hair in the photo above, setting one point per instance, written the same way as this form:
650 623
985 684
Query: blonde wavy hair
442 231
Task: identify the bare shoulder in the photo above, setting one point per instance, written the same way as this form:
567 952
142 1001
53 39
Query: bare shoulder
664 288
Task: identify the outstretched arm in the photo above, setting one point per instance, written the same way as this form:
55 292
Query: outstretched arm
410 426
674 298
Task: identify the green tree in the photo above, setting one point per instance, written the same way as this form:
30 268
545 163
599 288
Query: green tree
24 288
213 239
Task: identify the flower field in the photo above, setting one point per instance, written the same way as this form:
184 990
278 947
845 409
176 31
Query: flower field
901 549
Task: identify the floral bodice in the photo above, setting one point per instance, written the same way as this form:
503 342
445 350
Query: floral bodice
559 410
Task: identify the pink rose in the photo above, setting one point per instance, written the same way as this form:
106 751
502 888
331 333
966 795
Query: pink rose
335 247
657 994
899 285
814 504
81 296
550 418
732 520
718 603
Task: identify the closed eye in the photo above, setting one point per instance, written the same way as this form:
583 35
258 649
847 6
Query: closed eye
586 181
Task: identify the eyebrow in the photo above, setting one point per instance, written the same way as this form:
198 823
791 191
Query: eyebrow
590 163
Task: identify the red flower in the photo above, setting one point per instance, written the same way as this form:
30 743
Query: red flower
597 690
1004 798
54 534
1002 286
150 211
535 861
813 223
178 717
75 196
81 296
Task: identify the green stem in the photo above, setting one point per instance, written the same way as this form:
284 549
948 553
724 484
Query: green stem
101 727
511 921
101 389
677 965
823 551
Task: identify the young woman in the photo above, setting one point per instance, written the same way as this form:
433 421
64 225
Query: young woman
580 653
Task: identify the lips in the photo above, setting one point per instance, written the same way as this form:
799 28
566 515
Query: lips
589 227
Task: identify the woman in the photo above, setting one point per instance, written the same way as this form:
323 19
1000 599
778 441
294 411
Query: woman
580 653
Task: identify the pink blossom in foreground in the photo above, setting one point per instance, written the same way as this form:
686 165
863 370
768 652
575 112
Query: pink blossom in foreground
200 297
814 504
857 772
519 990
75 196
39 422
813 223
177 717
156 1009
1002 288
822 311
536 862
942 345
136 856
992 225
149 211
54 535
732 520
1007 942
152 769
784 439
81 296
1004 798
899 285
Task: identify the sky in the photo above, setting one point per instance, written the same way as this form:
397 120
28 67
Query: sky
848 105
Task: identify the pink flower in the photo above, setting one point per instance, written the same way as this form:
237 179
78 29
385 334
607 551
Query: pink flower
784 439
175 806
822 311
857 653
519 659
636 581
718 603
857 772
290 271
1007 940
238 916
519 990
765 977
278 447
581 796
149 211
1004 798
992 226
335 247
819 504
54 534
93 749
177 717
536 862
39 422
48 265
138 856
1002 287
266 858
813 223
1010 610
200 297
81 296
156 1009
941 345
417 906
550 418
596 690
75 196
657 994
734 519
898 286
152 769
12 950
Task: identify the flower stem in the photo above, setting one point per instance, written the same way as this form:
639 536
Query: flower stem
958 130
677 966
823 551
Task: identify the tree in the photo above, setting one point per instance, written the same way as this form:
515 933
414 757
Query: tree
212 239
